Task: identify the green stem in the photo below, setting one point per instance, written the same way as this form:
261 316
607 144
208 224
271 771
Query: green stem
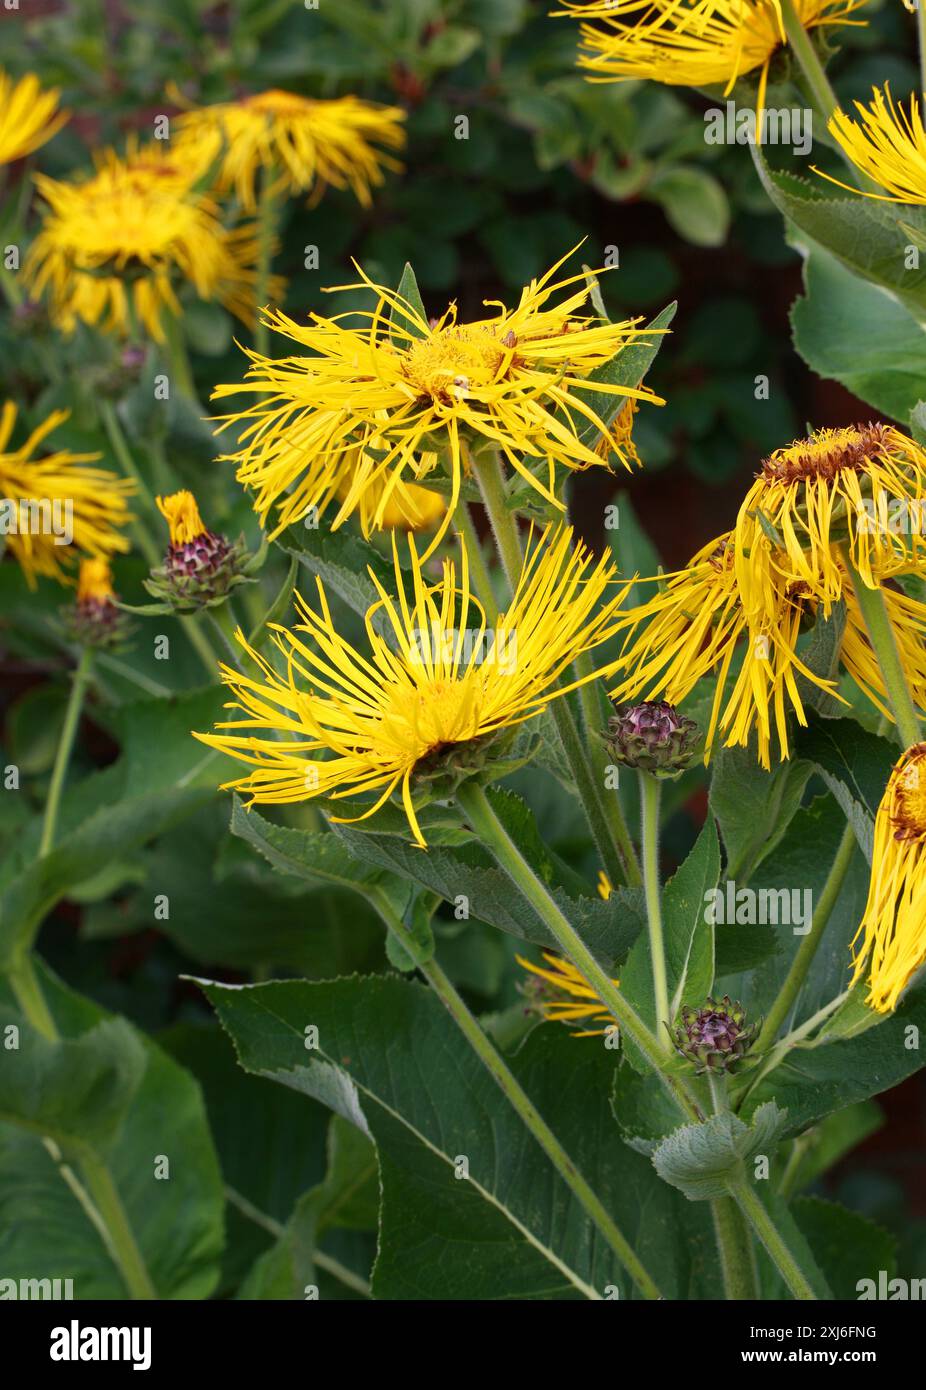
469 539
808 947
178 359
495 837
737 1258
491 480
127 463
765 1228
75 703
822 96
881 635
108 1212
523 1105
594 719
649 814
267 208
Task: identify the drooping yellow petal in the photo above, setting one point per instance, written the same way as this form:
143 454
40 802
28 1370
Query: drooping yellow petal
29 116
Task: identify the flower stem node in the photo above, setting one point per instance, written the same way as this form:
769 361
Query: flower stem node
654 737
201 567
716 1036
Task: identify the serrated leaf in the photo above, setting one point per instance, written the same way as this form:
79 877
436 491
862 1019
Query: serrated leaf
753 807
855 764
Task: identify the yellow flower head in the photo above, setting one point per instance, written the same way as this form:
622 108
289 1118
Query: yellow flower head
619 439
691 43
95 582
562 994
697 625
604 885
304 143
121 243
182 516
893 928
888 144
29 117
366 410
863 488
441 681
54 506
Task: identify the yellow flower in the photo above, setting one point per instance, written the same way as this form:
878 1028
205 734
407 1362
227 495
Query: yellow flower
182 516
52 506
604 885
692 43
863 488
564 995
888 144
697 625
95 582
367 409
439 682
28 116
119 244
893 928
619 439
306 144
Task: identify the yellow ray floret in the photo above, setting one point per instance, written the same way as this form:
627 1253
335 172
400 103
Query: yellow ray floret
337 723
893 928
29 116
886 143
303 143
53 506
181 513
95 582
862 488
362 409
116 247
564 995
691 43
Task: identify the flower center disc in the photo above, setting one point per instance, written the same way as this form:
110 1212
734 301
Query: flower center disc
423 721
824 454
455 361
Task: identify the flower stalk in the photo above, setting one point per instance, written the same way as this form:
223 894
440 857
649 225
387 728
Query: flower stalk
649 815
79 683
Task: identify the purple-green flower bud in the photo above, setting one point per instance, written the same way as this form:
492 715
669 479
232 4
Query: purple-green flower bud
653 736
716 1036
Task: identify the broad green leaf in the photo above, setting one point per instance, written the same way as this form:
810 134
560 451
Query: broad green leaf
848 1247
627 368
694 202
753 807
813 1080
176 1219
855 764
466 876
162 775
401 324
853 332
835 1136
864 234
390 1060
703 1160
342 561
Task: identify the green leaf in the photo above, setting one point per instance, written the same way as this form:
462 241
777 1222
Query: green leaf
847 1246
855 764
400 323
703 1160
694 203
626 368
813 1080
176 1220
753 807
465 875
830 1140
162 775
389 1059
853 332
342 561
864 234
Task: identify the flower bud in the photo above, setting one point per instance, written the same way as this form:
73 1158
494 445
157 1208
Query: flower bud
716 1036
94 620
200 566
652 736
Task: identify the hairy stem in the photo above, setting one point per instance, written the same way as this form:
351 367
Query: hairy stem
75 704
765 1228
649 809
